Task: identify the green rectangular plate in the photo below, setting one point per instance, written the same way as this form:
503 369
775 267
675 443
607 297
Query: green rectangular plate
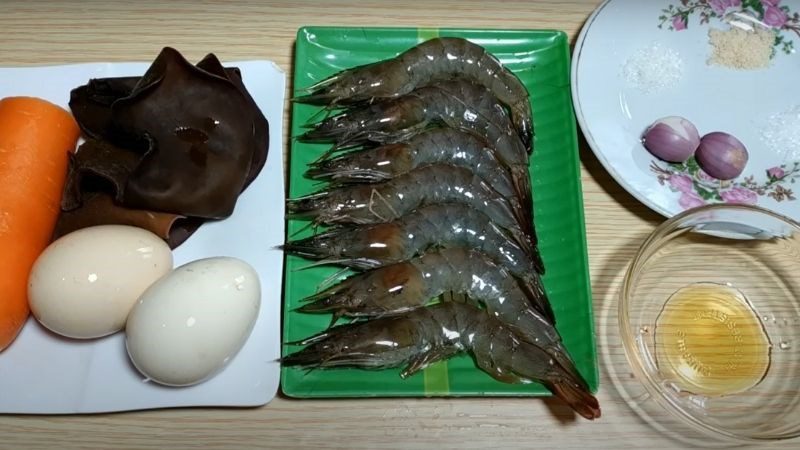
541 60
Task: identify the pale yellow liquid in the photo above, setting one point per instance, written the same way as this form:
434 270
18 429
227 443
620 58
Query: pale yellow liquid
709 341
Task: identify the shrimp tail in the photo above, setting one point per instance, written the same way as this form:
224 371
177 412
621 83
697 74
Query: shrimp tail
559 353
529 247
534 290
524 215
522 187
521 116
538 263
565 382
581 400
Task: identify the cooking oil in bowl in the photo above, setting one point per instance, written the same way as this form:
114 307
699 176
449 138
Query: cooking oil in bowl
710 341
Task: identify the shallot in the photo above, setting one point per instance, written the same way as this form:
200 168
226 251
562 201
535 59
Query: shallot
721 155
672 139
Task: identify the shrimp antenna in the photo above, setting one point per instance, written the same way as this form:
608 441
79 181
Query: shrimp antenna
323 262
327 153
304 228
338 147
335 318
330 279
356 263
308 371
321 364
319 84
326 110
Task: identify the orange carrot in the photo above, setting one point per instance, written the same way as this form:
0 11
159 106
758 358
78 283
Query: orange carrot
35 139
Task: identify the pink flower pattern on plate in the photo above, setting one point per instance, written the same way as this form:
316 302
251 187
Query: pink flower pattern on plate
784 22
681 183
695 187
679 23
739 195
704 177
690 200
774 16
776 172
720 6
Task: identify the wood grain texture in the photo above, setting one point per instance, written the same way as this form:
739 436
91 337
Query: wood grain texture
58 32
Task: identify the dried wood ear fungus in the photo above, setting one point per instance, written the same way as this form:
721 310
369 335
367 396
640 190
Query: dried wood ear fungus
183 140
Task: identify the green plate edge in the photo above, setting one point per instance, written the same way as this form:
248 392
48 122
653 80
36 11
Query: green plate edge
532 54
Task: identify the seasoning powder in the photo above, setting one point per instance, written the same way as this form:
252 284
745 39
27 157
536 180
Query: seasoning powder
741 49
782 133
653 68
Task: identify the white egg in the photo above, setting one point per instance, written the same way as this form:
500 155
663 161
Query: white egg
85 283
189 324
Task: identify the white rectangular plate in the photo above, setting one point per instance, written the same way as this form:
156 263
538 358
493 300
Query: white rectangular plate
41 373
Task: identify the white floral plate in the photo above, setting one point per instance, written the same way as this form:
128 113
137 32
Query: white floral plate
613 112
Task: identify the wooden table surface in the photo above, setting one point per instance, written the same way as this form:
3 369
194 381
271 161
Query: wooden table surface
57 32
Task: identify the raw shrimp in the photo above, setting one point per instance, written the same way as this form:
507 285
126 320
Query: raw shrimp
403 286
428 62
390 200
437 145
445 145
458 104
440 225
424 336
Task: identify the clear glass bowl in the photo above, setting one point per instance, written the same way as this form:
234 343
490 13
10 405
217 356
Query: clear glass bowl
727 366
